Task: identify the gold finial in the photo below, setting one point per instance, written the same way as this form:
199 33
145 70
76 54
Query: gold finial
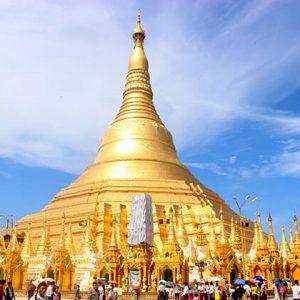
138 32
138 59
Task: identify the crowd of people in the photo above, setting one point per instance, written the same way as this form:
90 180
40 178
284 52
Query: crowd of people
100 291
214 291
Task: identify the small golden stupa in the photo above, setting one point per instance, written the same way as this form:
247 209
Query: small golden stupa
82 232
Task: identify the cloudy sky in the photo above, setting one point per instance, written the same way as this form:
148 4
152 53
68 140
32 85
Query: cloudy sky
226 82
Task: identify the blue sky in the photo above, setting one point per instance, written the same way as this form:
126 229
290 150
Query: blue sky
226 82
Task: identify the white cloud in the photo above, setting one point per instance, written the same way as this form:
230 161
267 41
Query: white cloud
213 167
63 69
232 160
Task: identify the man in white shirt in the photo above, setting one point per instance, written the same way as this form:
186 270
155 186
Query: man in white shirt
185 293
50 290
247 288
296 290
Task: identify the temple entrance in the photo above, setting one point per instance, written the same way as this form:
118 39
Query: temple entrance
105 275
233 275
167 275
50 273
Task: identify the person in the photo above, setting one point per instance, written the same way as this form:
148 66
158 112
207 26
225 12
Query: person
171 295
167 292
40 292
176 291
296 290
255 291
93 293
247 287
77 292
263 293
115 292
201 290
2 292
216 293
50 290
227 291
275 288
283 291
185 294
210 291
101 290
190 296
56 293
161 291
30 289
9 291
110 293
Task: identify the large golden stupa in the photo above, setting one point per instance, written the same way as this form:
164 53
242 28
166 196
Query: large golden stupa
82 232
136 155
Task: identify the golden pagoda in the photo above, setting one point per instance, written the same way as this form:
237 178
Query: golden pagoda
136 155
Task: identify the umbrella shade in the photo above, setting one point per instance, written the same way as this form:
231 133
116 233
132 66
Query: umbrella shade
217 278
112 282
162 281
239 281
286 279
259 278
277 281
169 284
48 279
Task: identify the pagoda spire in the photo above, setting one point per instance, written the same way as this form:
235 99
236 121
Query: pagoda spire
181 232
62 240
261 240
70 245
137 95
171 233
14 244
212 242
291 237
232 232
262 247
284 246
2 242
272 244
27 249
253 249
296 242
223 245
238 238
223 239
296 228
44 247
113 241
88 243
